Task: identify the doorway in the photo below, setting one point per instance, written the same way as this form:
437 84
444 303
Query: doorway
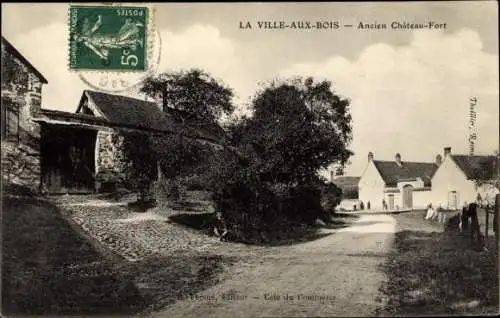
68 159
453 200
390 198
408 197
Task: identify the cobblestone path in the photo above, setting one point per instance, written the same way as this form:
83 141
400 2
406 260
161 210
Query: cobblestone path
133 235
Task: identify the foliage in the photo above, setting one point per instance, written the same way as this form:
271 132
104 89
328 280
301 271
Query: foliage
331 196
270 177
296 129
180 156
142 167
194 92
191 96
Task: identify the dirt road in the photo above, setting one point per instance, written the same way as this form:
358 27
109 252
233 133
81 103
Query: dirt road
336 275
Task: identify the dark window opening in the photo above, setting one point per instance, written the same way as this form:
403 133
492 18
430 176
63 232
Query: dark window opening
10 121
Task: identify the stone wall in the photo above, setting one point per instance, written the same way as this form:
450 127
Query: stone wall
20 165
110 160
21 89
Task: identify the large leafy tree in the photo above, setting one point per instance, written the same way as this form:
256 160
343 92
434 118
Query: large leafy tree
270 174
193 98
297 128
195 92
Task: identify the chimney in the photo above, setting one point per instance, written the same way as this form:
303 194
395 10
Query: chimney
370 156
439 160
447 151
397 158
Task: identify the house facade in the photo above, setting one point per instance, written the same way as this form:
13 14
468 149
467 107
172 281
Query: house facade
82 152
399 184
448 183
461 178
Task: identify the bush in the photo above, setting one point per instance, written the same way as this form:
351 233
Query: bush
268 182
168 190
196 182
331 197
262 212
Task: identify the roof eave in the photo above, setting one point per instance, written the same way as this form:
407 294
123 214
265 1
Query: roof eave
18 54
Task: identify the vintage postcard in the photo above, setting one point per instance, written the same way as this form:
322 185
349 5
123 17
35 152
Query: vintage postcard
260 159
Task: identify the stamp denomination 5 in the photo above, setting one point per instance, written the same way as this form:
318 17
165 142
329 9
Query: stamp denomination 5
108 38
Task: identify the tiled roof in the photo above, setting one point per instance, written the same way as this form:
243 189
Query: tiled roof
10 48
392 173
477 167
147 115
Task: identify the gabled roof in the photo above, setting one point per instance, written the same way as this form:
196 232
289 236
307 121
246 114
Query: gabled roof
346 181
392 173
11 49
477 167
132 112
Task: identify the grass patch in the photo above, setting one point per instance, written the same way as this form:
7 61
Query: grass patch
47 269
439 273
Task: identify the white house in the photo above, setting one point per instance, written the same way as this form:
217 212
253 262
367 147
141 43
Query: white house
401 184
460 178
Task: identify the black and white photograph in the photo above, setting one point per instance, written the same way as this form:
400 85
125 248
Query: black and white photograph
250 159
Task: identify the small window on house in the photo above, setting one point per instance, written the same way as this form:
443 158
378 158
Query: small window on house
10 121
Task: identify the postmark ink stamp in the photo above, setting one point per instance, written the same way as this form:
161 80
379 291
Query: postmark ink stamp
108 38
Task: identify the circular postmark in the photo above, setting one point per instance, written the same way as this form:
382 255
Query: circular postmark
114 48
113 81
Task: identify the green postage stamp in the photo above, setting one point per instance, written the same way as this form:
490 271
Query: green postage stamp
108 38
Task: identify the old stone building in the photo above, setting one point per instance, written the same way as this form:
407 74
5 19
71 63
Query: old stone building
83 151
21 101
61 152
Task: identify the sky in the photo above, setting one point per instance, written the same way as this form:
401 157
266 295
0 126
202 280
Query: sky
409 89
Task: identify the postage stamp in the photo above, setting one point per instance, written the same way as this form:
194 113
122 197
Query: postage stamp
108 38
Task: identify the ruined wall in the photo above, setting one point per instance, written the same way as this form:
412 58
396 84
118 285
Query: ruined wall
110 160
20 165
21 90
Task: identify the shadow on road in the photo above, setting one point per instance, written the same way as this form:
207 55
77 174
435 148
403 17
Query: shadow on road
50 268
286 235
47 269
